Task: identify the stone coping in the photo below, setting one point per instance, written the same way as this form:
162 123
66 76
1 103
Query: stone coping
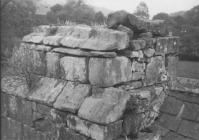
186 85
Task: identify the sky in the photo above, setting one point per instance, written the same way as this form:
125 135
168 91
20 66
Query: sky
155 6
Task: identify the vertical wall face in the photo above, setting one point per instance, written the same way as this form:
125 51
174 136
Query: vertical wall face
88 83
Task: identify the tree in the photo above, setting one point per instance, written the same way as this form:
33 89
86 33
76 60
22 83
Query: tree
142 10
99 17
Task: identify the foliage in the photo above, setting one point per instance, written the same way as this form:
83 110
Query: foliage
17 18
74 11
142 10
187 27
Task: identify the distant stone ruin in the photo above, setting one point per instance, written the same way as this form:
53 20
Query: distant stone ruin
89 83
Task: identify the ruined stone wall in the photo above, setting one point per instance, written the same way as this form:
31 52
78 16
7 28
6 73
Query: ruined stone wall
87 83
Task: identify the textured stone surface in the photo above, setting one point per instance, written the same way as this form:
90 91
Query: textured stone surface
190 111
174 136
139 67
74 68
105 106
169 122
53 64
95 131
72 97
186 85
47 90
14 85
137 44
154 70
189 129
95 39
34 37
172 106
167 45
68 134
171 66
149 52
38 47
107 72
79 52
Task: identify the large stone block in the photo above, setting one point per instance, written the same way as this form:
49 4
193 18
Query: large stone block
172 106
46 90
4 104
166 45
95 131
53 64
189 129
155 70
171 63
105 106
72 97
85 37
107 72
74 68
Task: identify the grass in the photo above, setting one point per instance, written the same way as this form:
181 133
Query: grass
188 69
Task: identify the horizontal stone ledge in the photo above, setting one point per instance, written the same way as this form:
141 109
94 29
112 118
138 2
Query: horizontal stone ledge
93 130
185 85
79 52
83 37
37 47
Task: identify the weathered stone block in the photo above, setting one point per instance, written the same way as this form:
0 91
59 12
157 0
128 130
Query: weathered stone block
172 106
85 37
139 67
53 64
107 72
167 45
169 122
27 112
95 131
190 111
38 47
74 68
171 66
46 90
131 85
4 104
14 85
185 85
155 70
72 96
138 76
34 38
189 129
105 106
149 52
174 136
137 44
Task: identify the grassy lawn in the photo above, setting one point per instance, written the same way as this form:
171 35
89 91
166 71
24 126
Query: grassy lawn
188 69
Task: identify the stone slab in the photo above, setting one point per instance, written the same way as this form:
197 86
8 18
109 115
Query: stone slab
86 37
79 52
155 70
46 90
74 68
189 129
72 97
105 106
95 131
186 85
107 72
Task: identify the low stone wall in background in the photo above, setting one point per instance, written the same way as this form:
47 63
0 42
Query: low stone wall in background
87 83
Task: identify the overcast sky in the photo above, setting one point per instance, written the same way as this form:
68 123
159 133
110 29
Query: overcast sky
155 6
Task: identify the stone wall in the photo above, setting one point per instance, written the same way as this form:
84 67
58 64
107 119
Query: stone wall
87 83
179 117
